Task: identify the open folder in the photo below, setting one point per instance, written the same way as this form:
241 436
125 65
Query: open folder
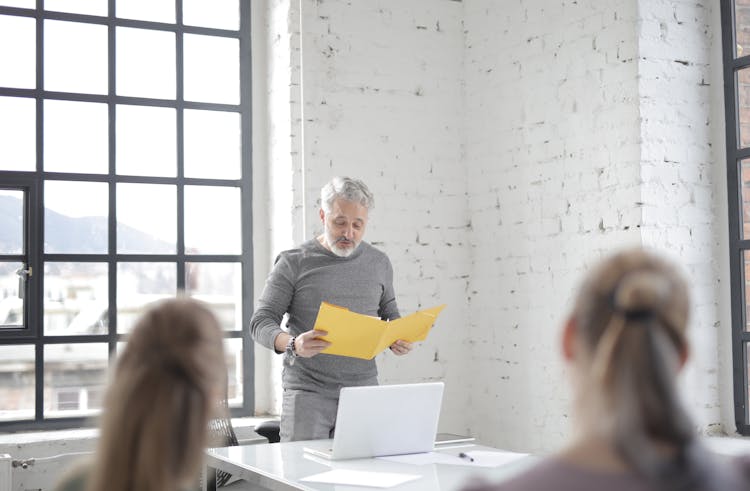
363 336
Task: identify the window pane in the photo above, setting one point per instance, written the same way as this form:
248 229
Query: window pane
145 63
75 217
212 144
745 197
219 285
75 298
221 14
17 133
26 4
11 221
11 304
235 376
153 10
17 383
146 219
76 137
90 7
146 141
19 63
743 106
75 57
74 378
139 285
212 69
212 220
742 28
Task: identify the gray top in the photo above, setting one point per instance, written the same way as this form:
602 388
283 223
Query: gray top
301 279
554 473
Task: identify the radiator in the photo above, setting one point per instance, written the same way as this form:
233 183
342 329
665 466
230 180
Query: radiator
39 474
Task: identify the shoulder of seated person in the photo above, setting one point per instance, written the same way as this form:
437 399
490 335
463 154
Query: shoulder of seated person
744 465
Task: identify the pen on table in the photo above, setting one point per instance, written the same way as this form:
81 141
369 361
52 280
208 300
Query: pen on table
464 455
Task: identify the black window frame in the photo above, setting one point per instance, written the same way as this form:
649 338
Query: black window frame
30 250
33 182
738 246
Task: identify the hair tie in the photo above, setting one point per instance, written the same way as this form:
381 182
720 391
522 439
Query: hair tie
642 314
639 315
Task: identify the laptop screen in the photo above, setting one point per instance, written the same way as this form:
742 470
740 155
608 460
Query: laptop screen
380 420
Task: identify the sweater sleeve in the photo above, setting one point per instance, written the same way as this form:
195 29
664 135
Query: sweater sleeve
388 309
273 303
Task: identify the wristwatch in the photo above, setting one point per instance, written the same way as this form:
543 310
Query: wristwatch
290 347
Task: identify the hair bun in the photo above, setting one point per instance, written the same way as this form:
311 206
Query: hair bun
641 293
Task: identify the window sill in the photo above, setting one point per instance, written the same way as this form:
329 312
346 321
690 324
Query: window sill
43 444
729 444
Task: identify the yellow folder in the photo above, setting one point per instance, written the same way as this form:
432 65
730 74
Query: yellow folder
363 336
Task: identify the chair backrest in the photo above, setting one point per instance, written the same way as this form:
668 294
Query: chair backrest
221 434
269 429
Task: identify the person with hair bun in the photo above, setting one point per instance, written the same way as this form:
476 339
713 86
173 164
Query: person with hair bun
625 343
166 386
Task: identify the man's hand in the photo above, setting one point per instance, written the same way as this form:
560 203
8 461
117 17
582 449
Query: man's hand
307 344
401 347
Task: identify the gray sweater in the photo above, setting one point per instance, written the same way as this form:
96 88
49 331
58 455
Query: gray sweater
303 278
553 473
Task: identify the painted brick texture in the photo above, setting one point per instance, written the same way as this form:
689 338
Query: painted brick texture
626 96
678 187
510 145
553 175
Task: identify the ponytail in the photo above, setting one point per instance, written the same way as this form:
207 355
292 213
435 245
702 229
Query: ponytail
633 313
157 407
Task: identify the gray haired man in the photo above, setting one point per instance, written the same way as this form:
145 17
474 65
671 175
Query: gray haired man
339 268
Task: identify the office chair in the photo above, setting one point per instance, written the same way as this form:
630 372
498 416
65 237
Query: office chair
269 429
221 434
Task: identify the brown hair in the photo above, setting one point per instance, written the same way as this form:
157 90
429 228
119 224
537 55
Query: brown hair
163 392
631 314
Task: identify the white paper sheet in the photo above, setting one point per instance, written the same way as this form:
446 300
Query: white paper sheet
361 478
475 458
485 458
425 458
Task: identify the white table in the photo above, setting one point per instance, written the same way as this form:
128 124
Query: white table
280 466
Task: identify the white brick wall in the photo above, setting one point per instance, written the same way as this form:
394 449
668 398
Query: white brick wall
678 190
509 145
552 155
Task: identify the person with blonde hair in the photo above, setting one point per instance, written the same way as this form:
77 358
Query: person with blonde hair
165 388
625 343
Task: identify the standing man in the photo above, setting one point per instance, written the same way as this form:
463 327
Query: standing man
339 268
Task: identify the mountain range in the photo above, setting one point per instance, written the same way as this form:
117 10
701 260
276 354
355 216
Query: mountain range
75 235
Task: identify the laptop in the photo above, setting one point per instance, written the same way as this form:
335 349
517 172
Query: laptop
380 420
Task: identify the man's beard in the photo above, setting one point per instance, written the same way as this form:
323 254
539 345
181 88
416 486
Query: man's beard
340 251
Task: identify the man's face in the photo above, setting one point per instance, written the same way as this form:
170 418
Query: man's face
344 226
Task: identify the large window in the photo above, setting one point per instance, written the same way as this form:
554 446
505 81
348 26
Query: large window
124 179
736 47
